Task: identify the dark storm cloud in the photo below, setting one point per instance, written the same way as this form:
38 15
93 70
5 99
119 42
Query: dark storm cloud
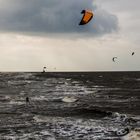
53 16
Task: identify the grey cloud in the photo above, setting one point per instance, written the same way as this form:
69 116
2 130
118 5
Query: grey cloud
121 5
54 16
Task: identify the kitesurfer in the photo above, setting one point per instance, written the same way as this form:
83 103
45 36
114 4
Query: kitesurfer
27 100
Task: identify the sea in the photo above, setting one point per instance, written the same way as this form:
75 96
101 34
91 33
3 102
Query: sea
69 105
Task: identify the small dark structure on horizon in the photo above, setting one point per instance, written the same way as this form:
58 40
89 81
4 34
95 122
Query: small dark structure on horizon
44 69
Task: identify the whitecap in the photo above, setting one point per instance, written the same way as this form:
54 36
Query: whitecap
16 102
133 135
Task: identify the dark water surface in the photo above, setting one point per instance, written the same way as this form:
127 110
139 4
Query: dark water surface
106 102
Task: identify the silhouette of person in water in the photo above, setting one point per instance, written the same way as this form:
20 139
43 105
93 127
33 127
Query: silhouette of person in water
27 100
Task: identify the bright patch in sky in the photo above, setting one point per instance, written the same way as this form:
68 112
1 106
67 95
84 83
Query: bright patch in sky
34 34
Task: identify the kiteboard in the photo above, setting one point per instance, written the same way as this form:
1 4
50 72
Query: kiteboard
69 99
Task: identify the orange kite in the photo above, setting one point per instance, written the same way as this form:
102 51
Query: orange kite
88 15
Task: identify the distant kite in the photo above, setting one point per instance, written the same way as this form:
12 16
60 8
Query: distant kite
133 53
88 15
113 59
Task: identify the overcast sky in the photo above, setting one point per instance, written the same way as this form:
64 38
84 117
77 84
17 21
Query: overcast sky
37 33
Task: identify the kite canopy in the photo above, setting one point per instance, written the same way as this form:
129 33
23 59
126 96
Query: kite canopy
113 59
133 53
88 15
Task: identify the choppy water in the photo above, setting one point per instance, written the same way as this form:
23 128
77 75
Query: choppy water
106 103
